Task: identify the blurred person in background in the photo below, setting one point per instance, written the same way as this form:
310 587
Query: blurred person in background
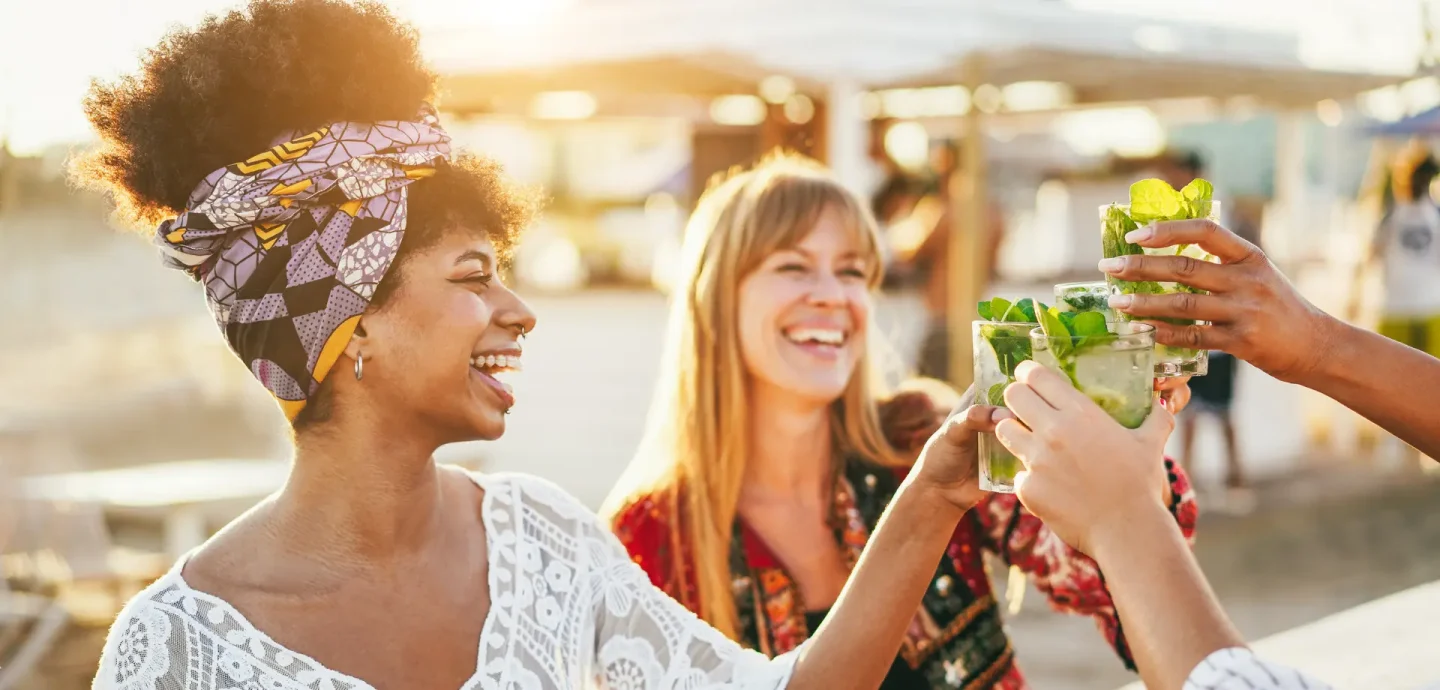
772 448
1406 250
289 157
926 250
893 204
899 188
1406 245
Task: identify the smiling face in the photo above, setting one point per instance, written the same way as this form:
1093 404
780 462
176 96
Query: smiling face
802 313
444 342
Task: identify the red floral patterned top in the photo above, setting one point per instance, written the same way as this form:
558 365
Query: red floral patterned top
957 638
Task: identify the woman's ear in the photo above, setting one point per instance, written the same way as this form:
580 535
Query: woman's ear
359 342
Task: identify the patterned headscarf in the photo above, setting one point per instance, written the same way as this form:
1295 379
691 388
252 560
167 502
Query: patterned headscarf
291 243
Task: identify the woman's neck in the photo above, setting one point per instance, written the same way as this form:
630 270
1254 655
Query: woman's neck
790 448
360 490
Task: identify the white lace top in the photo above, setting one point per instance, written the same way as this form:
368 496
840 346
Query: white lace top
568 609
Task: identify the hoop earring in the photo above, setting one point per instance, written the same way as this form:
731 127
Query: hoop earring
359 366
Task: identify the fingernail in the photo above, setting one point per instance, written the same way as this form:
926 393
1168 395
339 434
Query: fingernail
1140 234
1112 265
999 414
1120 301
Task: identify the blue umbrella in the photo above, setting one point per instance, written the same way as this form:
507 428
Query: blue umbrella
1422 123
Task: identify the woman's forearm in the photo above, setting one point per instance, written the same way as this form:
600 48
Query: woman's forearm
1170 616
857 643
1391 384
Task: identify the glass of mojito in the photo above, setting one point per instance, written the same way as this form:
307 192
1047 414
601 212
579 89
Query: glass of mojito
1111 363
1001 343
1150 201
1083 297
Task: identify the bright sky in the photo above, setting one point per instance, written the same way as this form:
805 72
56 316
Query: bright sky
49 49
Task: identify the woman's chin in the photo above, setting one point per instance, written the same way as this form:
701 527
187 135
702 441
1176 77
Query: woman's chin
488 426
476 422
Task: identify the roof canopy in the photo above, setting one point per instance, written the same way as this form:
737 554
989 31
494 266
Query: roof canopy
706 49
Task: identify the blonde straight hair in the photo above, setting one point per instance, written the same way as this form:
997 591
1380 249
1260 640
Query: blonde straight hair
694 450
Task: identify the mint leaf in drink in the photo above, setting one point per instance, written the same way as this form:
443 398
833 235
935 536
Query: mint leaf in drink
1155 199
1112 236
1087 329
984 310
1085 301
1089 323
1000 307
1011 345
1057 333
1197 197
1026 307
1142 287
996 395
1052 324
1060 341
1009 333
1199 189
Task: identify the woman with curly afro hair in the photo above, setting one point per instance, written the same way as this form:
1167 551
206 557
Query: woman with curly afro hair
287 157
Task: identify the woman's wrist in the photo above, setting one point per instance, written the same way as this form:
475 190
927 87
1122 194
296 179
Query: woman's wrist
1144 528
938 505
1332 341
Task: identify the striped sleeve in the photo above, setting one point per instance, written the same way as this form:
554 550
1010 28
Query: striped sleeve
1238 668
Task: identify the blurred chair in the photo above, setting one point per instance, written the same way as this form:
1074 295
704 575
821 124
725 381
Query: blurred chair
64 550
30 624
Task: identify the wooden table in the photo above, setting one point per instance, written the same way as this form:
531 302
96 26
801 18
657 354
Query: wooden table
175 492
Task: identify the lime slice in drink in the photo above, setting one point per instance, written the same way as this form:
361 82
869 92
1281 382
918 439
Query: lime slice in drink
1117 406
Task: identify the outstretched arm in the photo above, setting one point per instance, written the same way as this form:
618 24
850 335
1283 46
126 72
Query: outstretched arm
1069 579
640 630
1258 316
1179 634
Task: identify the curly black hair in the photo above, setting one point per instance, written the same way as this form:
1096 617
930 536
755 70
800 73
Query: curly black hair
221 92
218 93
211 95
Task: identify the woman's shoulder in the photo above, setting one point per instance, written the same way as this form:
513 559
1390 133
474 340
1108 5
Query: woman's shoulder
518 488
914 411
143 637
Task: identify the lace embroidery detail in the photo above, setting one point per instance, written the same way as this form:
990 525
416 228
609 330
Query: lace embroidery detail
141 658
568 609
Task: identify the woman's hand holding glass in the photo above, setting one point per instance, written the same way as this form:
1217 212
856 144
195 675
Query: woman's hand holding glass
1085 475
949 463
1253 311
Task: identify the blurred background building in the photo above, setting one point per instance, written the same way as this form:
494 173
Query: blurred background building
128 433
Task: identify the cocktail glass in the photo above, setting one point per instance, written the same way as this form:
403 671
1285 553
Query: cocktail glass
1169 360
999 348
1116 370
1083 297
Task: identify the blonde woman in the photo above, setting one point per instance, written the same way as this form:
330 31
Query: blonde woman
770 457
